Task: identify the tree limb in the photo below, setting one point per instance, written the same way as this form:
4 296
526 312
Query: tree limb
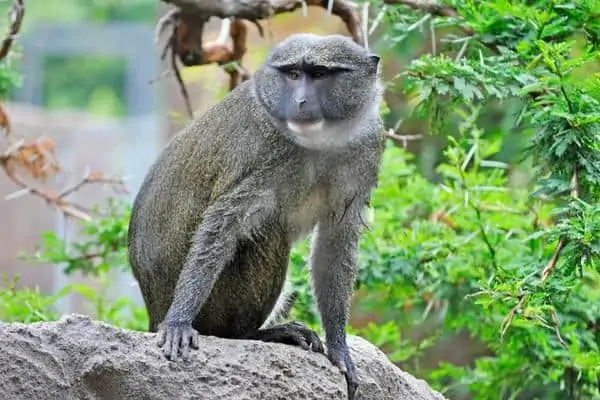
186 43
17 12
190 16
562 241
254 10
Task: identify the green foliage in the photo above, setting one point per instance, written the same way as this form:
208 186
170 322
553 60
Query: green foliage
67 84
9 78
25 304
42 11
518 267
100 251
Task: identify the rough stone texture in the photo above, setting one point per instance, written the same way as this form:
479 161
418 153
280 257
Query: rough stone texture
77 358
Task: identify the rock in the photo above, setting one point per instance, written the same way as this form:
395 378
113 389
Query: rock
77 358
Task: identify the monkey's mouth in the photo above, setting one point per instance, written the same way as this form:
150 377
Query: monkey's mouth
305 127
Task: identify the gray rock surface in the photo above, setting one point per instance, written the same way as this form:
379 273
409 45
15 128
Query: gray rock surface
77 358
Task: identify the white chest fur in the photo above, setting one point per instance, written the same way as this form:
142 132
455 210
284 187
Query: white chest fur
303 217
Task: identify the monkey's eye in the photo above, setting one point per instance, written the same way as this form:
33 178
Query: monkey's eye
319 72
293 74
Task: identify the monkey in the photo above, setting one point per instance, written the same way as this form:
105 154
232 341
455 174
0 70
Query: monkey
293 152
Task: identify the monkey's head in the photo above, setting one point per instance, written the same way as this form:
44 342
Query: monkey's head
318 87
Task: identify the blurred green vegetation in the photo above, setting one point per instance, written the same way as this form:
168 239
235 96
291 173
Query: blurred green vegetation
93 84
78 11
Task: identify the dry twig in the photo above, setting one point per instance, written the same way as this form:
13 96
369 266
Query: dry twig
16 14
508 319
404 139
562 241
37 159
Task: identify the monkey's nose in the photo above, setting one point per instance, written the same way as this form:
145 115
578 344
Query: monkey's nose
300 102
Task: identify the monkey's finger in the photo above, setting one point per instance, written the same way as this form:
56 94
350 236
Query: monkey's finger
352 388
166 347
185 349
318 347
172 346
176 345
308 335
186 337
315 342
195 339
161 337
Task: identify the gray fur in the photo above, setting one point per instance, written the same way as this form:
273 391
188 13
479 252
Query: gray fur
214 221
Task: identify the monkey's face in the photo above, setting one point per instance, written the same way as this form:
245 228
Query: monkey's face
313 84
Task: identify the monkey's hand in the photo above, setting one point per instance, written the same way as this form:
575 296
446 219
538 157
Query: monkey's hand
340 357
175 338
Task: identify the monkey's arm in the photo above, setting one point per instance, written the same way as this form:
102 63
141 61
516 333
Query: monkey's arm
233 216
334 266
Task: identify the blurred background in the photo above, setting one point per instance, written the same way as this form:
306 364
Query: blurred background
93 82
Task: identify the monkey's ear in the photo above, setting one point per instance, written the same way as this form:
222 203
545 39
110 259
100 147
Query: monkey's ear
375 58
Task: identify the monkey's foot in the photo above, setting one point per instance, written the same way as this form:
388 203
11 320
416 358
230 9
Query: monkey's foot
176 338
293 333
340 357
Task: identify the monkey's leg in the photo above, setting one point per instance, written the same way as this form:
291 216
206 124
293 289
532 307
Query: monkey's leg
293 333
334 267
213 248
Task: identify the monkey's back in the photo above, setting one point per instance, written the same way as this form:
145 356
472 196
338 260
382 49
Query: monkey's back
200 163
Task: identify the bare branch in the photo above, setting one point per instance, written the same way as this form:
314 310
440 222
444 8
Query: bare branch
562 242
365 24
438 10
200 11
510 316
404 139
36 158
553 260
225 31
377 20
575 183
17 12
429 7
